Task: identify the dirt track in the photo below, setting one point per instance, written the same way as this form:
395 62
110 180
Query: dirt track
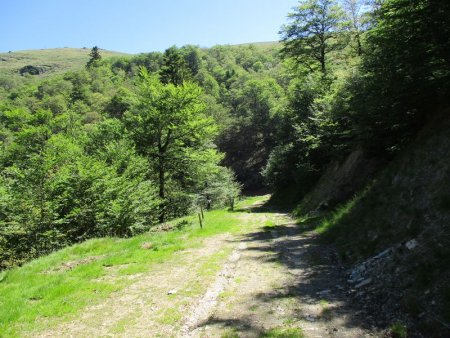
271 278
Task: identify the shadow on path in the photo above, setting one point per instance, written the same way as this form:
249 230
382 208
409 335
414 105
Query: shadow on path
316 279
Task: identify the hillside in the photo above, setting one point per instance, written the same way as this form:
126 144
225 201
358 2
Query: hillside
50 61
60 60
392 228
262 44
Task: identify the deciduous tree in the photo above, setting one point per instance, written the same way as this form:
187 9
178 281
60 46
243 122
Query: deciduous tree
311 34
168 125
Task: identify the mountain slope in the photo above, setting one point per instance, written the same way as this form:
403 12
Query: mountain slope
60 60
397 232
50 61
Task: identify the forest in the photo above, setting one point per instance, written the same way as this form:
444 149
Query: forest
128 142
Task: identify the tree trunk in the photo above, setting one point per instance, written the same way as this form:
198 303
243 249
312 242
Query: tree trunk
359 46
162 182
322 59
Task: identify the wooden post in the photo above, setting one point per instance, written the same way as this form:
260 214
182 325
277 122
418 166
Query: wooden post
201 210
200 220
232 203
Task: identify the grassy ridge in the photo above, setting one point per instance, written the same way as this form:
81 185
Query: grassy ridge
58 286
262 44
60 60
57 59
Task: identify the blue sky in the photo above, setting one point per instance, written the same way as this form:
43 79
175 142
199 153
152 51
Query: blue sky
136 26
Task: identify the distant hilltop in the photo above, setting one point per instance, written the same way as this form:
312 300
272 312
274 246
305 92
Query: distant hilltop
59 60
47 61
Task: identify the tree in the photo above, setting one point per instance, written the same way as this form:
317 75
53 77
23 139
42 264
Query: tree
355 15
169 125
406 76
175 69
192 58
95 57
311 35
250 136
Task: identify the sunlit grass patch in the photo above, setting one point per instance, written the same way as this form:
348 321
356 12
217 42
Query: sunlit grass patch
398 330
170 316
226 294
244 204
283 333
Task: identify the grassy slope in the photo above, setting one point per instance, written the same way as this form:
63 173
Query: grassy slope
59 59
58 286
263 44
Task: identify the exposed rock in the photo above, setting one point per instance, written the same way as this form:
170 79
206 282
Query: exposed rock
163 227
363 283
66 266
33 70
310 318
411 244
403 218
234 257
147 245
339 182
357 273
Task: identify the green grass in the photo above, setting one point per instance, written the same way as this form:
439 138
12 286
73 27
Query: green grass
280 332
231 333
58 60
270 225
248 201
122 324
348 218
57 287
253 307
226 294
283 333
262 44
398 330
170 316
327 224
